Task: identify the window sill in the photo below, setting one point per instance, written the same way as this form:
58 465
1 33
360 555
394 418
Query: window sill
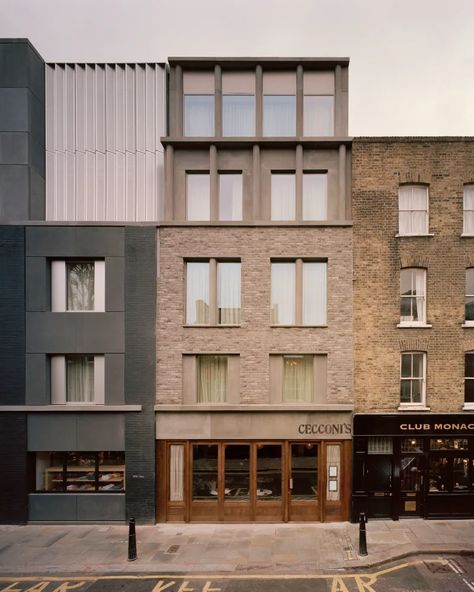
414 326
413 235
69 407
212 326
468 407
466 235
413 407
468 324
246 407
299 326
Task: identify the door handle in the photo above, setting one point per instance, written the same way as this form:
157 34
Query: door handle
291 483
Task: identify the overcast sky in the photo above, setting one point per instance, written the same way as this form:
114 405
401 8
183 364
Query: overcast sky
412 61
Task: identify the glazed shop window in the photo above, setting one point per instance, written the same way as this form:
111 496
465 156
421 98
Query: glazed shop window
468 209
413 210
450 473
198 104
449 444
318 104
469 297
237 472
469 378
412 297
412 378
238 104
80 472
77 286
299 292
198 197
77 379
204 483
269 473
279 104
213 292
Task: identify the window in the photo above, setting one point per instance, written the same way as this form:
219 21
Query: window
413 296
412 378
298 378
469 298
469 378
468 209
299 292
283 197
77 286
77 379
198 200
212 379
80 472
413 210
230 196
216 282
315 196
312 203
318 104
198 88
279 104
238 104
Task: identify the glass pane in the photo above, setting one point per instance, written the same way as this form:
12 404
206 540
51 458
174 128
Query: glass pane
418 365
304 471
111 471
470 281
469 365
230 197
228 293
81 471
333 454
212 379
49 471
416 391
318 117
404 198
439 474
405 391
469 308
404 223
469 197
410 473
205 471
461 474
298 378
314 293
419 198
406 282
197 293
80 285
283 197
268 472
238 115
469 391
237 476
79 379
279 115
198 201
380 445
406 309
406 365
412 445
315 199
283 293
449 444
418 223
469 222
199 115
176 472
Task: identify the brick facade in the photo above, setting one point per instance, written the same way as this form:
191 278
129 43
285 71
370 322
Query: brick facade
379 166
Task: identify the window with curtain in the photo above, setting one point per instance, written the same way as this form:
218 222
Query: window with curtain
79 379
198 197
230 196
212 379
468 227
283 293
469 297
298 378
228 293
283 199
238 115
199 115
412 378
413 296
197 293
80 276
413 209
318 115
315 196
314 293
279 115
469 377
176 465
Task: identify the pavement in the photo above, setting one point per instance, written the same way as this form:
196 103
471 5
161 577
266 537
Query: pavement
297 548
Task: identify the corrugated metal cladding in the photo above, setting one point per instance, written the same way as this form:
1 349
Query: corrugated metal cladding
104 160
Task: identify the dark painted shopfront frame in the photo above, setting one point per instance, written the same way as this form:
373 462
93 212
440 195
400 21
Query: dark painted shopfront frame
420 476
289 507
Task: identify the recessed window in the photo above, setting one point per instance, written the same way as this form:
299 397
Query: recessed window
279 104
413 296
230 196
213 292
315 196
77 379
283 198
198 199
78 286
468 209
299 292
413 210
298 371
412 378
469 377
211 379
238 104
198 107
469 297
318 103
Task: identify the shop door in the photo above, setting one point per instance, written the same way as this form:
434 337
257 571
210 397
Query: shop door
238 488
269 479
304 495
411 477
379 485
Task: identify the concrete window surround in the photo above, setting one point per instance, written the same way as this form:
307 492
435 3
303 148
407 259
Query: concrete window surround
60 280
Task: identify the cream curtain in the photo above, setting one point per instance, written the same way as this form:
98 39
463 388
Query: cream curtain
318 116
279 115
230 197
298 379
283 293
468 209
198 197
212 379
79 379
238 115
314 293
420 288
228 293
199 115
413 210
283 197
80 286
197 293
176 473
315 197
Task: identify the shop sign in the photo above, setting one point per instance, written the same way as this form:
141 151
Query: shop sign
398 425
437 427
324 429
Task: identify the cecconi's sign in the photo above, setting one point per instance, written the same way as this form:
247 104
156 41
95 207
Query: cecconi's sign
436 427
329 429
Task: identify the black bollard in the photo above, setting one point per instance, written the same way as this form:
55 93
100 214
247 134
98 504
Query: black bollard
362 534
132 540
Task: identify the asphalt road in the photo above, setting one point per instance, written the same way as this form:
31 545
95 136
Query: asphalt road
424 574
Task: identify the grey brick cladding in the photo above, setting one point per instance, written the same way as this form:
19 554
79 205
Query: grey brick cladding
255 339
379 166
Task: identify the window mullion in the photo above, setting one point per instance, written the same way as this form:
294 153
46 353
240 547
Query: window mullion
299 184
299 292
213 292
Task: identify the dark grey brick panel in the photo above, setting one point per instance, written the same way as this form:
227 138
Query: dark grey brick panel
13 469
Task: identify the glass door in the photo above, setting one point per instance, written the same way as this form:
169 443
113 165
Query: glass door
268 491
237 491
303 498
411 476
205 482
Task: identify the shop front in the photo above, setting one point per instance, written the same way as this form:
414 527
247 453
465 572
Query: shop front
413 466
256 467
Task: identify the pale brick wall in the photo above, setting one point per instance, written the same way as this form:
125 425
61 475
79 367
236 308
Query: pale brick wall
255 339
379 165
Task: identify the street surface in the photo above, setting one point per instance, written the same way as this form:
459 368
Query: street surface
423 574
